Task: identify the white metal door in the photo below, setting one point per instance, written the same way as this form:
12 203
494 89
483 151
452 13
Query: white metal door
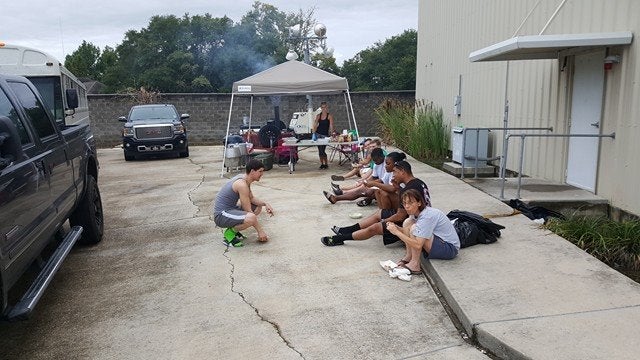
586 111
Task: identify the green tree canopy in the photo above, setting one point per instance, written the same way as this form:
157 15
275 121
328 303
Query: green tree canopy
85 61
385 66
203 53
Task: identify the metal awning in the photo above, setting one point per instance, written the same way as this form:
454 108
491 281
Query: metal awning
532 47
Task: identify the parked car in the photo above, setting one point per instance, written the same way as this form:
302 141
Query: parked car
48 174
154 129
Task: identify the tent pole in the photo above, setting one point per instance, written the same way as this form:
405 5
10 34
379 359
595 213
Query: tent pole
226 138
250 112
344 95
353 115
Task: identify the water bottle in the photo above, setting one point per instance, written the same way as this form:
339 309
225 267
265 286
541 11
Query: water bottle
314 137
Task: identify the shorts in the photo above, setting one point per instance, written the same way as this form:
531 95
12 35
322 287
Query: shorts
388 237
440 249
232 217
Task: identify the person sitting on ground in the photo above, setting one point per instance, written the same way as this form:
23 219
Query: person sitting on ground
363 166
375 224
233 217
362 189
385 193
426 229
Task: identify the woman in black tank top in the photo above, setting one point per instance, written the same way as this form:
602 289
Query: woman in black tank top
323 126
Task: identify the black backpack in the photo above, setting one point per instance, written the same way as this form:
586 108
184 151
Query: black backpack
474 229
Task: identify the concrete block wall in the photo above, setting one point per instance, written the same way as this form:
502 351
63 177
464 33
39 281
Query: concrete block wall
209 112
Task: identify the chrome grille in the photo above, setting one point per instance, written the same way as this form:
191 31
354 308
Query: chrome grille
153 132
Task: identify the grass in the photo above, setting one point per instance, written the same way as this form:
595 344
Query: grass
417 128
615 243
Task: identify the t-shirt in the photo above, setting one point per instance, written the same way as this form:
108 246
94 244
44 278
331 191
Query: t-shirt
378 171
387 177
419 185
433 222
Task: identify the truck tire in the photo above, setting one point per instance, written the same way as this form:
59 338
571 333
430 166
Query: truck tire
88 214
129 157
185 153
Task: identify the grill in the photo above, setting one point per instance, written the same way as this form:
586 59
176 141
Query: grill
154 132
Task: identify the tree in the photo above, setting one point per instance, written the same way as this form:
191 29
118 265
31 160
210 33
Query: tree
385 66
84 62
197 53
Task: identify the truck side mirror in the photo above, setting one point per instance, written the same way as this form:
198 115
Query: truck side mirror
72 98
10 146
184 116
122 119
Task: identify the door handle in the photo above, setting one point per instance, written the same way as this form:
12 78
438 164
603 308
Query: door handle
596 124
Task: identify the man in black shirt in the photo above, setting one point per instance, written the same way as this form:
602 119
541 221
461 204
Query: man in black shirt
375 224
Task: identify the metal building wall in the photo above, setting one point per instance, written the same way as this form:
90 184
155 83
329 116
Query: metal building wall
537 90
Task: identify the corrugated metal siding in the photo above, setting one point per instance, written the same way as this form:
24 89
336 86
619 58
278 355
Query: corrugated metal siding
538 90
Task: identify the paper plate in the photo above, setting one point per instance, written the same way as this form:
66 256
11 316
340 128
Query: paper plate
355 215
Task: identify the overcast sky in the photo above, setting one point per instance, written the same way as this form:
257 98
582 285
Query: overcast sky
59 27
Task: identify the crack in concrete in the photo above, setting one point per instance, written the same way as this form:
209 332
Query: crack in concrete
196 188
273 324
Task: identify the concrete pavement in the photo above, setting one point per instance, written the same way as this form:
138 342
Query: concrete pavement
161 285
532 294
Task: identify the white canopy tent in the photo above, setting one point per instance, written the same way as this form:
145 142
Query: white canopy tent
290 78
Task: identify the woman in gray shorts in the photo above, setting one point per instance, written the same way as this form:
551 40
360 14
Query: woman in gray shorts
426 230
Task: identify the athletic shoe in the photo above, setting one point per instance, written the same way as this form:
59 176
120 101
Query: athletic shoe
235 242
229 234
336 189
330 241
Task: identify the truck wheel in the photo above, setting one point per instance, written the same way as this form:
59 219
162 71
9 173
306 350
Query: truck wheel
88 214
184 153
129 157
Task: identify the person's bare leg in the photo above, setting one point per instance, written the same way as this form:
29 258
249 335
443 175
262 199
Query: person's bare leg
251 220
368 232
413 253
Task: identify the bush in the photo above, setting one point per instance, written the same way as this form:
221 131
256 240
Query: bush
615 243
417 128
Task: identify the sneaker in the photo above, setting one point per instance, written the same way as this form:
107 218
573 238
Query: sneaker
330 241
337 177
235 242
229 234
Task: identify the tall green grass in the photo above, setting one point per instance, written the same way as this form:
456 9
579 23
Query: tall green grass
417 128
615 243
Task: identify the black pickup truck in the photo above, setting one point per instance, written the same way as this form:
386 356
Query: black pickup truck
48 175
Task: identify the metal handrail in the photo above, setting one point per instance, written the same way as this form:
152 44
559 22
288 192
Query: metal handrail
523 136
464 144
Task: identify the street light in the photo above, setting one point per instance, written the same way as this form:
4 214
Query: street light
295 33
